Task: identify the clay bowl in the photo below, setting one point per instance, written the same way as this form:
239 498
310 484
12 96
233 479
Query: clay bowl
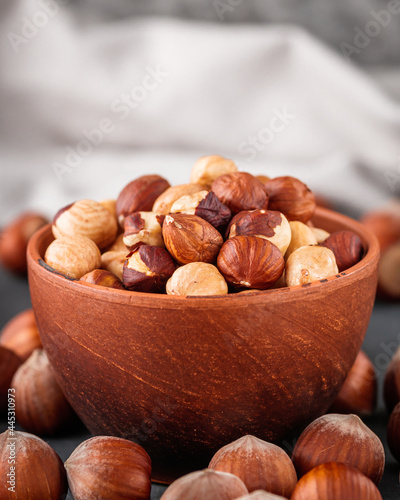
184 376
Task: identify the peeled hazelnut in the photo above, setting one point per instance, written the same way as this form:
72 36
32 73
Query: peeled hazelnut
147 269
14 241
340 438
118 245
73 257
302 236
197 278
320 234
104 278
86 218
164 202
9 364
291 197
389 272
143 227
111 206
21 335
204 204
109 468
140 195
335 481
206 484
250 262
267 224
393 433
261 495
114 262
208 168
240 191
40 405
391 387
308 264
347 247
260 465
34 470
189 238
359 392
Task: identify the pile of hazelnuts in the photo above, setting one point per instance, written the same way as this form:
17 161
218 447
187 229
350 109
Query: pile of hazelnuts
225 231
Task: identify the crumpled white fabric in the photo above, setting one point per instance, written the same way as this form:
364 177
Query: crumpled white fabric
86 109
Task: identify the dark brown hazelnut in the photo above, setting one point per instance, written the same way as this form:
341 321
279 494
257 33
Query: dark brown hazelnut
104 278
9 364
347 247
393 433
143 227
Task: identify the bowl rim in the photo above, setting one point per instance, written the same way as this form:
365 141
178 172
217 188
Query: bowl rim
36 264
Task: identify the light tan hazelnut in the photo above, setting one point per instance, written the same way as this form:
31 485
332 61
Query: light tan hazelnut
320 234
208 168
73 257
310 263
86 218
165 201
143 227
302 236
111 206
114 262
118 245
197 278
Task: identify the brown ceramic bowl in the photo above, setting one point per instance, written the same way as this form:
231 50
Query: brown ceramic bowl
185 376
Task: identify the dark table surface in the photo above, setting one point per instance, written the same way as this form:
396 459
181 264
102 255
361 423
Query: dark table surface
382 340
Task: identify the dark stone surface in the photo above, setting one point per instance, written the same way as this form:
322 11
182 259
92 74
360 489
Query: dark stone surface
382 339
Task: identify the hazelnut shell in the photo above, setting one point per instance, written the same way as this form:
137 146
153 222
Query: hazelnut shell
21 335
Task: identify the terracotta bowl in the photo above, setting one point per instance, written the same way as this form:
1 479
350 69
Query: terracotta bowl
185 376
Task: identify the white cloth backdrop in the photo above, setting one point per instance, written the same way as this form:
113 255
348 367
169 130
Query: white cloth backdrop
194 89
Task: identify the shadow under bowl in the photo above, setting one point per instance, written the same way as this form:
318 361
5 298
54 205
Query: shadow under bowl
183 376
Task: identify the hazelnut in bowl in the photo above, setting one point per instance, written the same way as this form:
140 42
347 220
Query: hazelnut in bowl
185 375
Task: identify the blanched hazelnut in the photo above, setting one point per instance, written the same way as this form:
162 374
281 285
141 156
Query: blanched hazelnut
147 269
111 206
118 245
208 168
240 191
73 257
164 202
101 277
302 236
250 262
267 224
189 238
308 264
320 234
143 227
197 278
114 262
347 247
204 204
86 218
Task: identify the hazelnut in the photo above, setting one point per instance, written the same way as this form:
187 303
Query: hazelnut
385 224
335 481
86 218
389 272
302 236
347 247
260 465
164 202
109 467
38 470
40 405
391 387
21 335
147 269
340 438
208 168
9 364
250 262
204 204
140 195
118 245
114 262
197 278
14 241
104 278
240 191
320 234
359 392
393 433
143 227
308 264
267 224
111 206
73 257
291 197
261 495
263 178
189 238
206 484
